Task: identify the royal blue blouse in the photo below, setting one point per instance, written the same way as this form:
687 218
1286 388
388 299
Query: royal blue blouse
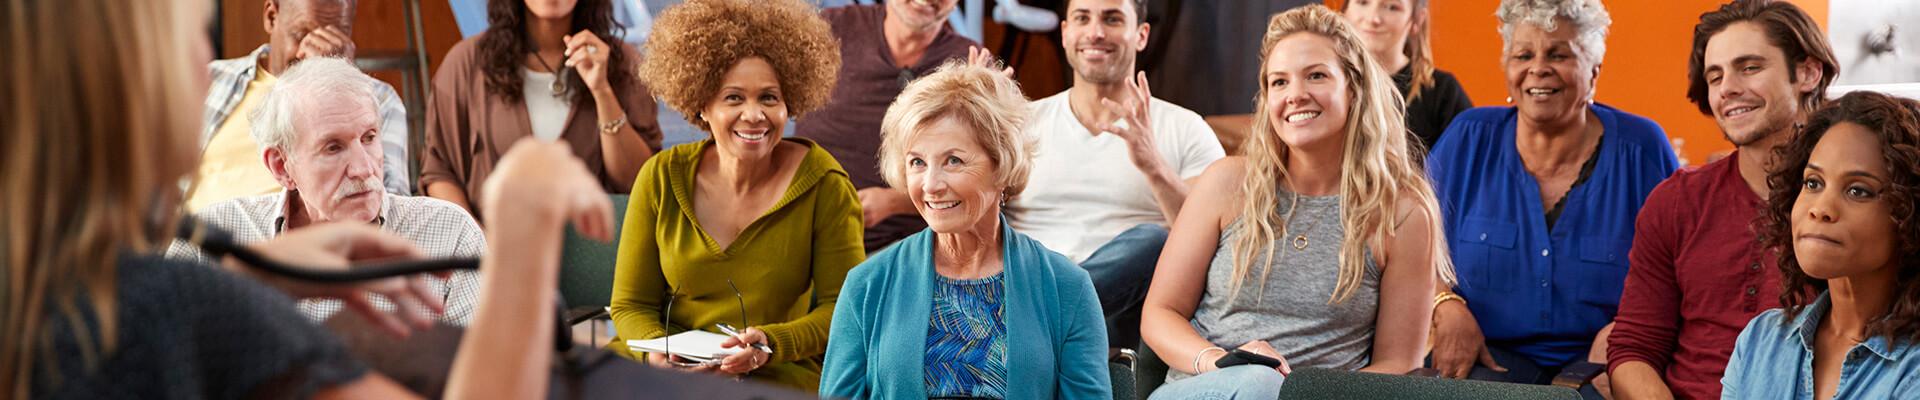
1537 291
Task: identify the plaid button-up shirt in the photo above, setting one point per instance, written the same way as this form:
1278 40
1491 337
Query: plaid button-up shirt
438 228
230 78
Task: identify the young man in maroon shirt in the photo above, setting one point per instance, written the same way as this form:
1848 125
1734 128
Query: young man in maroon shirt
1696 275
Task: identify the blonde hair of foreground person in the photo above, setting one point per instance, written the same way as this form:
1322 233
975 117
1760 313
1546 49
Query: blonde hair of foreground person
97 124
1376 171
100 101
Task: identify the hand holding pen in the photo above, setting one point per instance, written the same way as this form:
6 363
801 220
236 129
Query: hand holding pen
755 356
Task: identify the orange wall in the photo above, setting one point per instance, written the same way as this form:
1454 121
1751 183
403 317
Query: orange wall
1645 70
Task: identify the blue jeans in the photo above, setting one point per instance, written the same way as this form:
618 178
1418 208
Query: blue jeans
1121 270
1237 382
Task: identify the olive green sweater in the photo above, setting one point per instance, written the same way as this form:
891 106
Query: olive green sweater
788 263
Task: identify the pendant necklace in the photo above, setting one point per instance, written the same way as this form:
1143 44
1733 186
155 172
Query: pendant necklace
559 84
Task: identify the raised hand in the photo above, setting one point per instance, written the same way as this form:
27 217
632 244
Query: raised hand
587 54
1129 117
977 56
327 41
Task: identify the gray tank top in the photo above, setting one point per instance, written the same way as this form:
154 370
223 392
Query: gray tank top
1294 315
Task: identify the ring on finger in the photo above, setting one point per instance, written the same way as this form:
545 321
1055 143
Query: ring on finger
592 49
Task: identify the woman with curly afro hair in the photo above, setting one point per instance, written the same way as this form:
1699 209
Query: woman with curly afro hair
747 228
1841 217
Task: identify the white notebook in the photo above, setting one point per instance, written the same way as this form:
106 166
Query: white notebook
694 345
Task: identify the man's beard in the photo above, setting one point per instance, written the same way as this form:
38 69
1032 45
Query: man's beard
1769 127
1115 71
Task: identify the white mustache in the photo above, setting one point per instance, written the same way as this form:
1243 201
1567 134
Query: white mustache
354 186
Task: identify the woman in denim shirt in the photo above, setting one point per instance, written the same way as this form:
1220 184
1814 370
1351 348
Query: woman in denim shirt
1842 217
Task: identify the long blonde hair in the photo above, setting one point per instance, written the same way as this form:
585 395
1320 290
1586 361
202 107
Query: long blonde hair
1376 171
95 98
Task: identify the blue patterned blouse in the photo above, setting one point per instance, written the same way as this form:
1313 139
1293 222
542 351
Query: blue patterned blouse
966 339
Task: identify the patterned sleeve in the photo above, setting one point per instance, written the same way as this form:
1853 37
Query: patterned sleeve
463 288
393 140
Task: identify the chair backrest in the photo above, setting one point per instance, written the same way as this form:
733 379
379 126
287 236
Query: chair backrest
1148 371
586 265
1316 383
1122 375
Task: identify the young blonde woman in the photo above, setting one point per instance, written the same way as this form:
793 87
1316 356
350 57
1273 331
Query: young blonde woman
1336 265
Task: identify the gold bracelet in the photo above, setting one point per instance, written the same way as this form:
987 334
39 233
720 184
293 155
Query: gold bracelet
609 127
1443 297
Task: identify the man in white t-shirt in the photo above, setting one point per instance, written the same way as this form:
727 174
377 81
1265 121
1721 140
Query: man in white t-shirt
1114 164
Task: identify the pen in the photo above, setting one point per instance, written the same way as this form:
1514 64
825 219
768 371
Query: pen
728 329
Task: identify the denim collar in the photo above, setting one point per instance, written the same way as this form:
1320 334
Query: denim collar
1806 326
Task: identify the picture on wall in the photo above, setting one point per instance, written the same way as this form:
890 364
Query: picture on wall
1877 43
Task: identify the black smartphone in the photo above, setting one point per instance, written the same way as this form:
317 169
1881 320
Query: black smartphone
1242 357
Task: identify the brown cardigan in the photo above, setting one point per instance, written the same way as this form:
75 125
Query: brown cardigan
468 129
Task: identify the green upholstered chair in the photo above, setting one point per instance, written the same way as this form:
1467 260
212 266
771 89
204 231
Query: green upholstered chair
586 269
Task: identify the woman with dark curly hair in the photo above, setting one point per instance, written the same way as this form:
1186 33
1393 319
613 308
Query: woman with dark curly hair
1842 217
746 228
550 69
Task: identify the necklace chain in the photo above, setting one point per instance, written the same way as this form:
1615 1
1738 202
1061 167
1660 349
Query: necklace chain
1300 240
559 85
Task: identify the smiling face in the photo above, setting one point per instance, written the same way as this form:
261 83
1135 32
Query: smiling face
334 161
747 114
920 15
1546 74
1102 38
950 177
1750 84
1383 24
1307 91
1842 225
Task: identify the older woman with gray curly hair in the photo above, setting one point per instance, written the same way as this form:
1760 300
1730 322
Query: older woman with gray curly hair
968 308
1540 198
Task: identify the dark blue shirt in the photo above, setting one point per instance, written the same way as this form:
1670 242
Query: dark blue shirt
1540 292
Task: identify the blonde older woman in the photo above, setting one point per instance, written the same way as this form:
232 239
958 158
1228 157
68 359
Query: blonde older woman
1540 202
929 316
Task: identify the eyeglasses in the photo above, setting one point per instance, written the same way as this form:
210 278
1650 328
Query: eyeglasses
667 324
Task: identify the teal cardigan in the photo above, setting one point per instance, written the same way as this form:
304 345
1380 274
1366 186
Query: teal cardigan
1057 338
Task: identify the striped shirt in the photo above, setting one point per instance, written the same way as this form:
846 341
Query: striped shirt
230 78
436 227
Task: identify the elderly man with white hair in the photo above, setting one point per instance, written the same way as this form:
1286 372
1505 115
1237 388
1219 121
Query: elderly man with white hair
319 134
